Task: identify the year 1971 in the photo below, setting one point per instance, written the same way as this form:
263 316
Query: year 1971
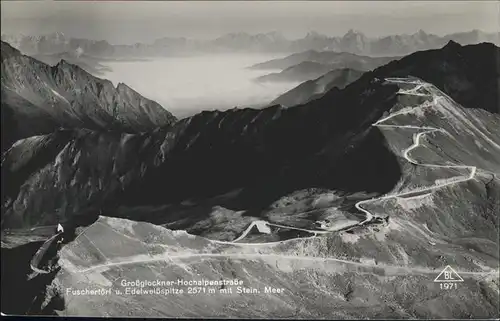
448 286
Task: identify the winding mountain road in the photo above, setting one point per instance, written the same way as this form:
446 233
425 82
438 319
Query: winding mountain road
416 143
264 227
415 91
39 256
388 269
419 86
261 225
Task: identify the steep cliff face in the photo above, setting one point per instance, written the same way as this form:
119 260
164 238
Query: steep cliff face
8 51
90 169
42 98
85 168
327 143
19 290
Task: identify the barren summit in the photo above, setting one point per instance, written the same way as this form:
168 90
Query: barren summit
122 250
38 99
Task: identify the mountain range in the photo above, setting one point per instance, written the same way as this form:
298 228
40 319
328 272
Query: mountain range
261 141
335 59
398 168
311 64
352 42
315 88
38 99
303 71
90 64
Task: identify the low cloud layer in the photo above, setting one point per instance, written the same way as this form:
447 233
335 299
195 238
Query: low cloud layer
186 86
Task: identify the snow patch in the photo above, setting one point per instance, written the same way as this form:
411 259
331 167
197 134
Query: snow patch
77 157
324 199
416 202
179 232
59 158
394 225
59 95
478 144
367 261
403 256
122 225
30 140
349 238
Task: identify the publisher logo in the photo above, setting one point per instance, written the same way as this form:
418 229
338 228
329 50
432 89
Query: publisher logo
448 274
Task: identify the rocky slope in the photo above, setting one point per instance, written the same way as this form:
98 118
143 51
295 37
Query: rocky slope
400 174
38 98
313 89
322 144
387 271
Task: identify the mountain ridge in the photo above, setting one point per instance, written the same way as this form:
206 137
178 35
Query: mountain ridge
283 149
353 41
336 59
303 71
378 184
65 95
313 89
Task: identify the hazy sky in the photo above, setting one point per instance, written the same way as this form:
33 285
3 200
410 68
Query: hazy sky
142 21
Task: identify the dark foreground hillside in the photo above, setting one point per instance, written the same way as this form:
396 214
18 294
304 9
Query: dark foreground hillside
267 152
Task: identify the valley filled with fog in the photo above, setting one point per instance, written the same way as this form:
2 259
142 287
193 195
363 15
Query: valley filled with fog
188 85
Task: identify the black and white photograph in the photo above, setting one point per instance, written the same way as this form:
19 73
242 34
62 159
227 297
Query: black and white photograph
250 159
